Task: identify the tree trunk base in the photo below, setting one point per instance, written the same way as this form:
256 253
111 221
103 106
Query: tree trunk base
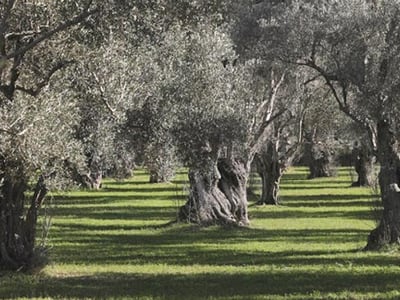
218 197
363 165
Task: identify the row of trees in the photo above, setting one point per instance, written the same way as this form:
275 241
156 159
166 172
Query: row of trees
91 88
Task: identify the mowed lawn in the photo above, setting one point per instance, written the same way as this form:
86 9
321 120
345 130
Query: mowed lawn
114 244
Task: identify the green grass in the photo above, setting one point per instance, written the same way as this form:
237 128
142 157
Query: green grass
112 244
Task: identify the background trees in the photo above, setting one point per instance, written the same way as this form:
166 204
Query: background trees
353 47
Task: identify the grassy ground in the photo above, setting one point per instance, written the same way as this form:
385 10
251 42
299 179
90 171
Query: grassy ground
111 244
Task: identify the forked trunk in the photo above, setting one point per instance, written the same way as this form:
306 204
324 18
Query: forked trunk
17 233
270 170
363 165
388 230
217 196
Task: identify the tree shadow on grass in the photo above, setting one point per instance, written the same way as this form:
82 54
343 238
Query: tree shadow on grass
201 286
146 189
118 213
313 187
110 199
359 214
187 246
327 200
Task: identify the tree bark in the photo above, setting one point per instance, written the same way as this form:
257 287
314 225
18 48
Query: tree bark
363 165
388 230
270 169
218 195
17 233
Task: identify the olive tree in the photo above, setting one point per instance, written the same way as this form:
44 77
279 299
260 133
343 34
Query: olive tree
226 111
353 46
35 129
279 86
283 142
108 86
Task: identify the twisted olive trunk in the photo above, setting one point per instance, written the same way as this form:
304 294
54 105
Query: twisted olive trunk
217 195
17 233
388 230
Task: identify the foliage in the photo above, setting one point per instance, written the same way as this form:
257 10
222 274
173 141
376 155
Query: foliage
37 141
106 85
350 46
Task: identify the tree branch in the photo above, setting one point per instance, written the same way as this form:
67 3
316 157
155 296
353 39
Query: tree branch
343 104
61 27
35 91
14 35
261 131
103 96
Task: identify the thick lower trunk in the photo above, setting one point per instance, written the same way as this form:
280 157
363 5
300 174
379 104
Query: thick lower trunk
363 165
388 230
159 177
318 160
161 162
270 169
270 188
17 233
217 196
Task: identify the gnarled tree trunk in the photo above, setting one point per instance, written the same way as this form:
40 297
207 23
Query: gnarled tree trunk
17 233
217 196
363 164
388 230
270 169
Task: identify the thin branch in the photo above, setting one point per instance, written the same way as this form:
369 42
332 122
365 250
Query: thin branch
14 35
274 92
312 79
262 128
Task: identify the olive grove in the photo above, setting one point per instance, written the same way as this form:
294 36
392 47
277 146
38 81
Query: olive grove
36 120
92 88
